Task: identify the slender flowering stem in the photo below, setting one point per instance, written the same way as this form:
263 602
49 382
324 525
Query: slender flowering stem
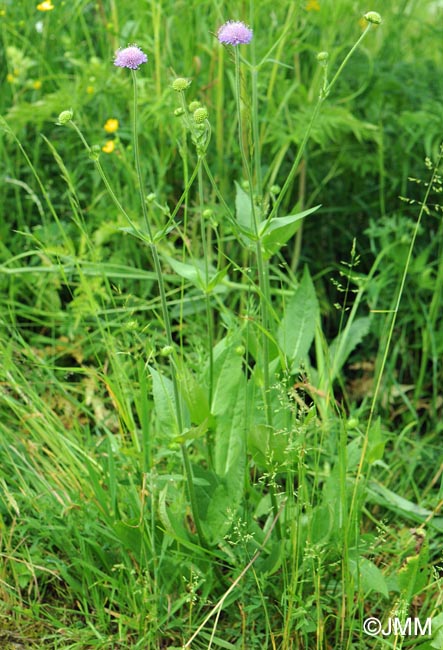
254 115
209 319
255 133
263 278
139 174
262 271
103 176
347 57
301 150
167 323
192 125
326 89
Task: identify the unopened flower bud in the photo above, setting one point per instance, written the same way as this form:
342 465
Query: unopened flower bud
194 105
94 152
65 117
322 58
180 84
373 17
200 115
166 351
179 112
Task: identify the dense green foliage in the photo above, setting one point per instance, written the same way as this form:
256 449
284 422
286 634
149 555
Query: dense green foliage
221 372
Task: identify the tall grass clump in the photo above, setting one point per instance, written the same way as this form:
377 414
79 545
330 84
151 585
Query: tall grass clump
206 441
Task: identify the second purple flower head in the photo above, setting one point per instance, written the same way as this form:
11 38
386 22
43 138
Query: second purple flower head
130 57
234 33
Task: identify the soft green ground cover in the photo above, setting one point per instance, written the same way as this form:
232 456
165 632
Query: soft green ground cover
221 378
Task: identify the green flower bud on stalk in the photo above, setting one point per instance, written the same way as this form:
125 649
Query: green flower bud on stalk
180 84
322 58
194 105
373 17
353 423
65 117
200 115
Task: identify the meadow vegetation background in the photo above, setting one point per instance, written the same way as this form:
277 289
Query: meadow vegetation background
268 474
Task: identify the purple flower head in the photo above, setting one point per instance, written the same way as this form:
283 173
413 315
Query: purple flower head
234 33
130 57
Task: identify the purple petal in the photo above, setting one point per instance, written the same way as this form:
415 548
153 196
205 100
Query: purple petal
234 33
130 57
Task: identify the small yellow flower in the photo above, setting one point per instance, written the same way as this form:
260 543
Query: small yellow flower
37 84
90 90
109 146
312 5
45 6
10 78
111 125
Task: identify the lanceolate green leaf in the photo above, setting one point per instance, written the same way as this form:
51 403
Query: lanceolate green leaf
297 328
196 273
194 392
230 442
342 346
229 464
274 233
244 215
164 401
227 374
369 576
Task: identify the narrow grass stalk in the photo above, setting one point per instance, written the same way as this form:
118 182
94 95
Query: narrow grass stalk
423 210
218 606
429 343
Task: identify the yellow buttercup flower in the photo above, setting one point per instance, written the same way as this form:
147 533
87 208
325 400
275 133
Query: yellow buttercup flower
37 84
312 5
111 125
45 6
109 146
